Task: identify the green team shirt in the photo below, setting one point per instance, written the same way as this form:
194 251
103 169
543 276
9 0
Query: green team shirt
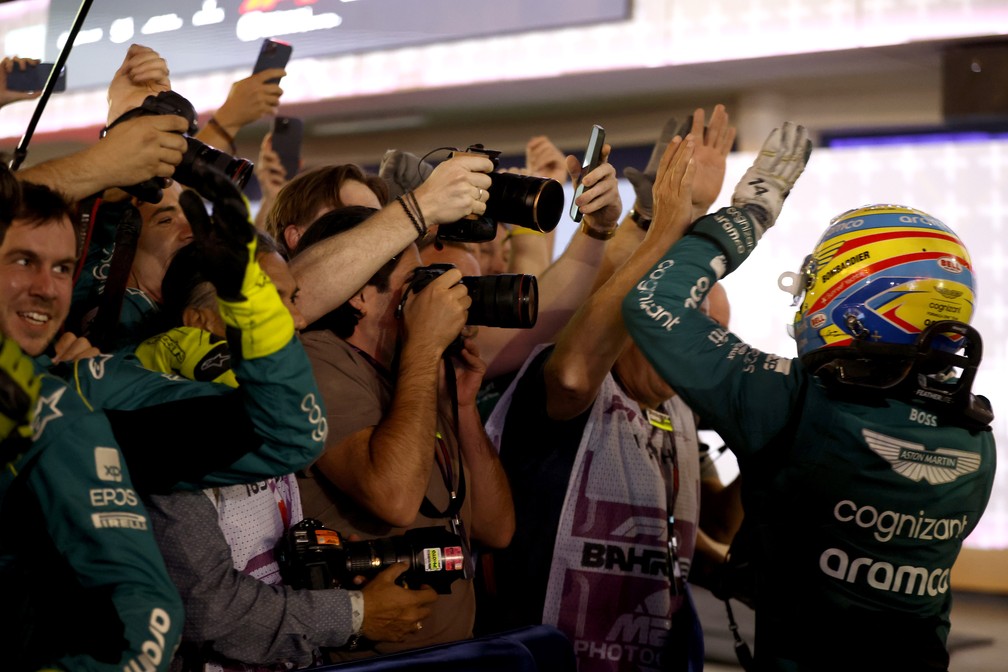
861 509
84 584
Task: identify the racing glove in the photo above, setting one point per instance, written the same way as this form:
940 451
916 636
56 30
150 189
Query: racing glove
19 391
226 243
759 195
643 182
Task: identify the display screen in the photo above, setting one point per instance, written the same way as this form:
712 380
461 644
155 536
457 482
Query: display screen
202 35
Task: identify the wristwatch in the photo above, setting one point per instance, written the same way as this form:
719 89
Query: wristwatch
640 220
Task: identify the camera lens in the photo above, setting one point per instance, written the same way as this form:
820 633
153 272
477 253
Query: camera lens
509 300
526 201
238 170
365 557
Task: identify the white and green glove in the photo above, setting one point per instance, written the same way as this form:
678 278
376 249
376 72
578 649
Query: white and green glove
779 164
759 195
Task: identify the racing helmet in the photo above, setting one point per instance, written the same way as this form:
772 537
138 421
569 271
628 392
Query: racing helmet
878 277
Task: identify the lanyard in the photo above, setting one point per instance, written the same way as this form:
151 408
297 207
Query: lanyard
456 495
668 462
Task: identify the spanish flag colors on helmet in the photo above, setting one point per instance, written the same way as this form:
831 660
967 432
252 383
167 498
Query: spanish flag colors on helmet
882 273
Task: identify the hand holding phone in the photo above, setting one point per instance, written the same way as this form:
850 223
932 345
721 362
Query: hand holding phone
34 77
593 156
286 142
272 54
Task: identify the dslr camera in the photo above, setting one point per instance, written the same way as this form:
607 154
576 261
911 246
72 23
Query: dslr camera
509 300
522 200
313 556
169 102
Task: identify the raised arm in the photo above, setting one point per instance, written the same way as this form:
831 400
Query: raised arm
595 336
329 272
565 284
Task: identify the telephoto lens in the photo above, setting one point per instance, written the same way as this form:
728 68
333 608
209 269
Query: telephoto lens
313 556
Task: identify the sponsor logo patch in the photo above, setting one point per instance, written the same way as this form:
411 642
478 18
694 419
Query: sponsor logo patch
119 520
916 462
107 464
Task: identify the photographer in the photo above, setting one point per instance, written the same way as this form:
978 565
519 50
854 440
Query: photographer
219 543
562 286
406 446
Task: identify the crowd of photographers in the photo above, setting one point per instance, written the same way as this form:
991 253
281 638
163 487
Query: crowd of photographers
377 414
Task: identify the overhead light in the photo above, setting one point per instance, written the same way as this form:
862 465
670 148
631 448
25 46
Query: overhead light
368 125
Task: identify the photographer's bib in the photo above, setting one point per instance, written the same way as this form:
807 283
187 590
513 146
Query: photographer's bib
610 589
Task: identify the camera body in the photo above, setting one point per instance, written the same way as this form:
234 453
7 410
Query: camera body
509 300
313 556
169 102
522 200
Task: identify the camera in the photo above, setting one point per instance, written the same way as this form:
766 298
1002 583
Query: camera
522 200
508 300
313 556
169 102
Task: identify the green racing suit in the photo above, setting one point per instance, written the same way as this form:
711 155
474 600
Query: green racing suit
860 507
84 583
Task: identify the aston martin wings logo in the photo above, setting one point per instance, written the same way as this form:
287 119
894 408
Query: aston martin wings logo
949 294
916 462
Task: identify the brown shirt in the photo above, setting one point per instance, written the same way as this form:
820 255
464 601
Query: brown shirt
356 395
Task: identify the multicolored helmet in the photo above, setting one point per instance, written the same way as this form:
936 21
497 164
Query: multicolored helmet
880 274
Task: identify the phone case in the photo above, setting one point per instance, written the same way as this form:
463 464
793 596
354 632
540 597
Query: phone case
33 78
287 136
593 154
273 54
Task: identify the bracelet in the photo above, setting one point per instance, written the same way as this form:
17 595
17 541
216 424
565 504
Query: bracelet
420 228
212 121
419 213
595 233
643 222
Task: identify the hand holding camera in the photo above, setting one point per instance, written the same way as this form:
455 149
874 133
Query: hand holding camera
143 150
392 612
170 103
434 317
453 189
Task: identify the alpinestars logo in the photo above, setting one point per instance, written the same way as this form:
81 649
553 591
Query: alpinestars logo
45 411
96 366
914 461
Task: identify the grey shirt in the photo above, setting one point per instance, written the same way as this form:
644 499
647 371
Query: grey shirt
236 616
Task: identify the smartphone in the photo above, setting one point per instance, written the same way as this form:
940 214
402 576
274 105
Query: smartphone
593 155
33 78
287 133
272 54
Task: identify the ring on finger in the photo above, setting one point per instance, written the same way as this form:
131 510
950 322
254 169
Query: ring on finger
419 626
